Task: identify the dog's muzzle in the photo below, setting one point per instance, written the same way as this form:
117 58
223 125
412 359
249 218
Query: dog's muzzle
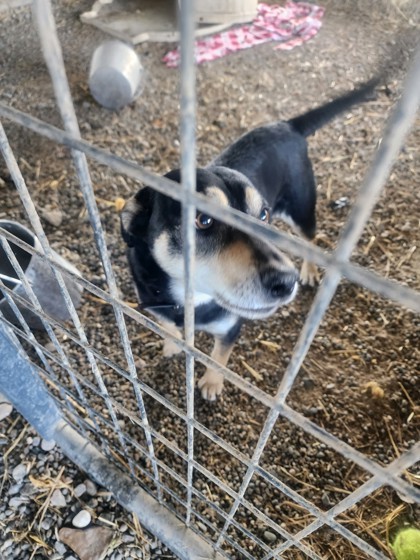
280 286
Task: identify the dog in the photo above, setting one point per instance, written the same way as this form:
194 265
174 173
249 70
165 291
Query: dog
265 173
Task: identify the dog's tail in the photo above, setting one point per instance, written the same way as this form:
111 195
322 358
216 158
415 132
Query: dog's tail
310 122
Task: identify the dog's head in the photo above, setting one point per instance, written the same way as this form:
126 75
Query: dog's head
246 276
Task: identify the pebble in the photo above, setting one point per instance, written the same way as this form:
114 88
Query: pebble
60 548
5 410
82 519
57 499
202 527
19 472
36 441
326 501
7 544
46 524
80 490
128 538
28 489
308 382
91 487
17 501
50 346
53 216
47 445
140 363
269 537
15 489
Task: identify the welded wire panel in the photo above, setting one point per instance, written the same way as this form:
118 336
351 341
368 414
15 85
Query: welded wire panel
223 492
53 57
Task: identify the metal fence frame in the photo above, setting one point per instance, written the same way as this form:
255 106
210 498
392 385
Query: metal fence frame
182 535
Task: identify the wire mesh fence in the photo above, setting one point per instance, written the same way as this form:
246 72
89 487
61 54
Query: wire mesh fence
176 495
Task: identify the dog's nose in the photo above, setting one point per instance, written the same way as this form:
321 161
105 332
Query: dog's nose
279 284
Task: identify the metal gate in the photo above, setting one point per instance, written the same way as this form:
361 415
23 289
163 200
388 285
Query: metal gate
63 405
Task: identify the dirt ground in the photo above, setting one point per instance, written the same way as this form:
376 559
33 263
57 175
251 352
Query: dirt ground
364 341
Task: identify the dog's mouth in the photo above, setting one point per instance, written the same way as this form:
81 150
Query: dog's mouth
246 312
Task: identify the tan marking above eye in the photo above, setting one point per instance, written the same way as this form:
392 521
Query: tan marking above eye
254 201
217 195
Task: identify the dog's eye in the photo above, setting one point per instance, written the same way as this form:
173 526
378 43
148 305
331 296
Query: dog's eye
203 221
265 215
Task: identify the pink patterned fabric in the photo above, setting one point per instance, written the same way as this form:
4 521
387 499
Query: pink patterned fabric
290 25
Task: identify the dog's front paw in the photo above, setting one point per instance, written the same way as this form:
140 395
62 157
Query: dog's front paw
211 385
309 274
170 348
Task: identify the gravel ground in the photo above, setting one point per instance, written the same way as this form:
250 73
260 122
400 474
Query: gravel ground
360 379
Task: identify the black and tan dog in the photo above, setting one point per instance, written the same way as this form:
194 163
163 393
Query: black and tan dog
265 173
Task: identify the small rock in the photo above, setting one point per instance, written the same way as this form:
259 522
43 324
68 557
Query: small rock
88 544
46 524
57 499
47 445
17 501
60 548
406 498
50 346
91 488
53 216
308 382
140 363
36 441
339 203
19 472
82 519
326 500
80 490
5 410
14 489
28 489
269 537
7 544
312 411
202 527
128 538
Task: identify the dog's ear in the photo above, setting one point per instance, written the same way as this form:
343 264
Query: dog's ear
136 214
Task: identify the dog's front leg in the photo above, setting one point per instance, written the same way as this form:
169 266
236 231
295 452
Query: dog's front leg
309 274
170 348
211 384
